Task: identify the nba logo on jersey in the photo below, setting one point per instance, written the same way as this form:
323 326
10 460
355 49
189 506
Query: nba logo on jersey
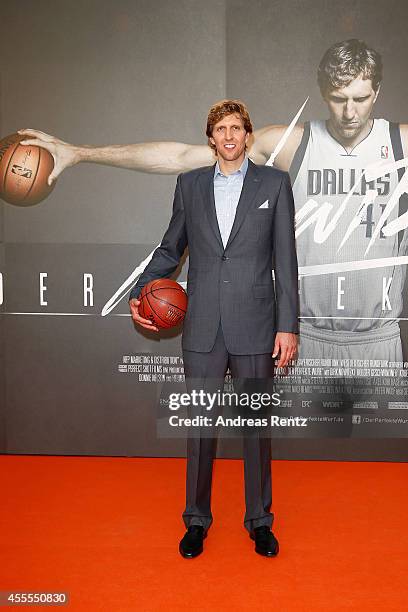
384 152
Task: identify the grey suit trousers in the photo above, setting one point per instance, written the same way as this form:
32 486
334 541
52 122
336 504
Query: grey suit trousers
210 368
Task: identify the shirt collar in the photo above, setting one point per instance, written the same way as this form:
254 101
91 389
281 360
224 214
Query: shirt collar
242 170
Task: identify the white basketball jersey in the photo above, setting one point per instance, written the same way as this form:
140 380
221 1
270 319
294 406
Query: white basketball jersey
351 300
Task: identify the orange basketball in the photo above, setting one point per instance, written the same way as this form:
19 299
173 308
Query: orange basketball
164 302
24 170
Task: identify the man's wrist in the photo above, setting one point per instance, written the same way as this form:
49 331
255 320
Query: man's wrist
85 153
80 153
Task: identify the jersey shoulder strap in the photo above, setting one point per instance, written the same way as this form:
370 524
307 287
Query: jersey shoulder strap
396 143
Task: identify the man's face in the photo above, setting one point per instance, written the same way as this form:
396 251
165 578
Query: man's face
229 137
350 107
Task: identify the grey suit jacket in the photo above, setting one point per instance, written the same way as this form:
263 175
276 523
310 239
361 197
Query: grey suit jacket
233 285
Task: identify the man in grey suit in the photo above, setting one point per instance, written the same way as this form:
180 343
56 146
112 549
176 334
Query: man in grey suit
237 220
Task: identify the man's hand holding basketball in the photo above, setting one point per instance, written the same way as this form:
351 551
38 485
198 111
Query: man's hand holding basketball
64 154
286 344
134 310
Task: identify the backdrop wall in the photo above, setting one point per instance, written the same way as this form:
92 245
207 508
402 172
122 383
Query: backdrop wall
101 72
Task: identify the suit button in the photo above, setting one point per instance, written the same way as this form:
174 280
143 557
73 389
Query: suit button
224 258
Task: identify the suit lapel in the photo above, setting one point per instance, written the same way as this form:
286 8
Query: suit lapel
250 188
206 181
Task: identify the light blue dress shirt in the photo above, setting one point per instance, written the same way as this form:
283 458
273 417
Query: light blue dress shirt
227 191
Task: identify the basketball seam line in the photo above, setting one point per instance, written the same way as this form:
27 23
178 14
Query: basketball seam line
161 318
36 172
165 301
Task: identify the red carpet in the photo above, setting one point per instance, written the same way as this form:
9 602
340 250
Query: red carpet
106 531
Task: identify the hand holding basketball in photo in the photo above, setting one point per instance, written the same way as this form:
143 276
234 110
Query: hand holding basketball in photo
24 170
164 302
64 154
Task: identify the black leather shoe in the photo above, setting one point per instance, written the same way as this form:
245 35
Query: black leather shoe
192 543
265 542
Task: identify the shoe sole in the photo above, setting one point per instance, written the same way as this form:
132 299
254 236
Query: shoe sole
266 554
190 555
